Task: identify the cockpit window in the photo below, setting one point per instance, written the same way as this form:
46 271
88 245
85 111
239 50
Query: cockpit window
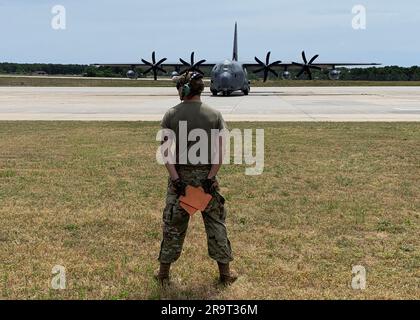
227 67
223 67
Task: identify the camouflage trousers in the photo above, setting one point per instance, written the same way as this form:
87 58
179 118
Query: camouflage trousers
175 220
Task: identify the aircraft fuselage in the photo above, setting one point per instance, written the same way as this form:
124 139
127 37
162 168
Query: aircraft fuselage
229 76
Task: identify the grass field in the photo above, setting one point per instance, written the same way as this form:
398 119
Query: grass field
89 196
29 81
21 81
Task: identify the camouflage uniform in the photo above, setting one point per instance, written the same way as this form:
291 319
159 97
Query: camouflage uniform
175 220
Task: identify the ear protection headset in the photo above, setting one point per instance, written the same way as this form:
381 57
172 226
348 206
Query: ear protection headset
186 90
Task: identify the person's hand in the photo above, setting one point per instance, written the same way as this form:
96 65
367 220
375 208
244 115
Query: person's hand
179 187
210 185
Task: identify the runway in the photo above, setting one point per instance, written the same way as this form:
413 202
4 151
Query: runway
263 104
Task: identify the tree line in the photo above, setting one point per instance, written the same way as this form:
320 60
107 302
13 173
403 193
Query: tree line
389 73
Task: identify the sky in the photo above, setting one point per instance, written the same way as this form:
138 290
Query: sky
123 31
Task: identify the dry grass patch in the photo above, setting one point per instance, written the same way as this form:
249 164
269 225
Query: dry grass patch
89 196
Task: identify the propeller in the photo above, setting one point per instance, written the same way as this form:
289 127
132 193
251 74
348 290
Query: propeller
307 66
193 66
267 66
154 66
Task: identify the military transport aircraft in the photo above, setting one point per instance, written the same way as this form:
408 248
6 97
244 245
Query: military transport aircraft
231 75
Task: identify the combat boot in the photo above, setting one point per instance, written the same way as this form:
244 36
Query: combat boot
227 276
162 274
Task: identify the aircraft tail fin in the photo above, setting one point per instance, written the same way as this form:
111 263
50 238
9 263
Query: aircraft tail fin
235 44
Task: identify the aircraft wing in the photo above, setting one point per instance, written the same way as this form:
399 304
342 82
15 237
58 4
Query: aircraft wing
266 67
137 65
332 65
155 66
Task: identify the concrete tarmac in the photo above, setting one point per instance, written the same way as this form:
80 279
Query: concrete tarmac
263 104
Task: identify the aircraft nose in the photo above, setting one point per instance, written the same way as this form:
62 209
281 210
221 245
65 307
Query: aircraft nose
225 79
